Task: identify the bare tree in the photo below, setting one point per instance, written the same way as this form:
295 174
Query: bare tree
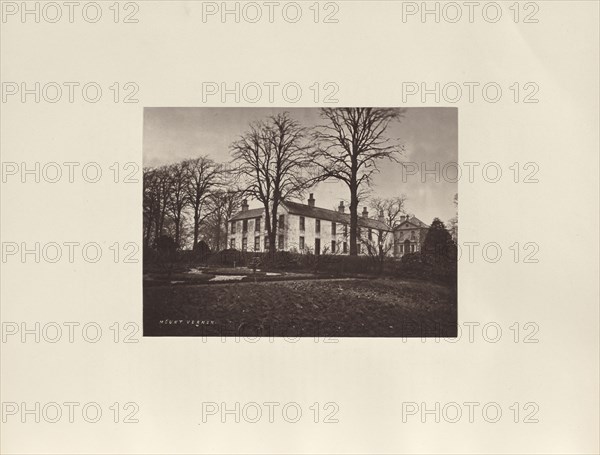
389 209
221 205
203 176
272 157
379 243
150 202
349 146
178 186
453 222
157 196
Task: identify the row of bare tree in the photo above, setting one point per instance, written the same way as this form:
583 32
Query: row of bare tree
275 160
196 189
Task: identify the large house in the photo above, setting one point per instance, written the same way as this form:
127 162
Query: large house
307 228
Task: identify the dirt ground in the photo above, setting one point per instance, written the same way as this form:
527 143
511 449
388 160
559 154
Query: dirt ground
303 308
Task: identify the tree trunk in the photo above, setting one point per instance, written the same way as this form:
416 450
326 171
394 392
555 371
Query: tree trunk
177 231
196 228
274 228
353 222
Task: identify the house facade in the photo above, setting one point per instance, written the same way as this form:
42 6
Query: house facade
409 235
307 228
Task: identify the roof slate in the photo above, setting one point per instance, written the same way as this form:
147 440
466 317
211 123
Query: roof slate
296 208
414 221
244 215
314 212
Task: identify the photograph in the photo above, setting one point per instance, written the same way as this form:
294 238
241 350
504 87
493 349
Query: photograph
303 222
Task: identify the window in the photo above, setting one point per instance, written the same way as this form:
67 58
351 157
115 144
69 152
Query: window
412 235
370 234
317 246
358 232
257 225
301 243
333 246
244 244
412 248
280 243
345 247
401 249
359 248
401 235
257 243
302 223
245 226
281 221
266 243
333 228
345 229
318 226
233 227
232 244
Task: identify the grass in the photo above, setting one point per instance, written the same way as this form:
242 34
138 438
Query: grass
332 307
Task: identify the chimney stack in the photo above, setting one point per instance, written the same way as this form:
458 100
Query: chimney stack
365 213
311 200
381 216
341 207
244 205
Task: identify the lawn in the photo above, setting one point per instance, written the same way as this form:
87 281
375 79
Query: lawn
347 307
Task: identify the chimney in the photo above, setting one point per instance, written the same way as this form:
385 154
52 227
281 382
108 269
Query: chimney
244 205
381 216
311 200
365 213
341 207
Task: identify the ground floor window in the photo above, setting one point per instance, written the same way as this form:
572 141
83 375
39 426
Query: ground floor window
256 243
412 248
232 243
359 248
345 247
301 243
280 243
333 246
244 244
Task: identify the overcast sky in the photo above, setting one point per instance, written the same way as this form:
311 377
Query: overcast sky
430 135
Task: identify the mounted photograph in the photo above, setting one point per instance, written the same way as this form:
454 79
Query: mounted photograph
300 222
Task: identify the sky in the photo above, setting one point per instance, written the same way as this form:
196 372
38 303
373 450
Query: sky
429 135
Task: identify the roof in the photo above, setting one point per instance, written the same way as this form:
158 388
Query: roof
414 221
315 212
245 214
333 215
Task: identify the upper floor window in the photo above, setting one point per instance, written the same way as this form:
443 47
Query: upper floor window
233 227
370 234
257 225
281 221
333 227
317 226
345 229
245 226
412 235
302 223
